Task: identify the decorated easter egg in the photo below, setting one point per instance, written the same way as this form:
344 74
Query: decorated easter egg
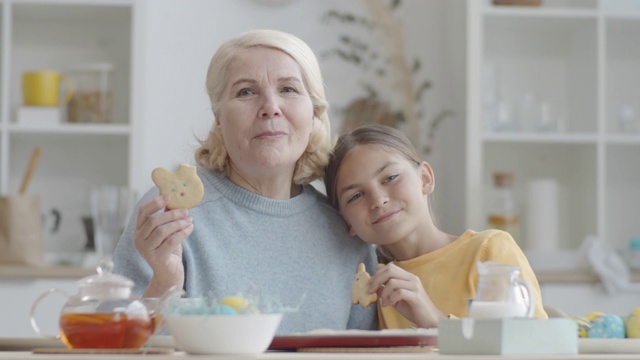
607 326
632 324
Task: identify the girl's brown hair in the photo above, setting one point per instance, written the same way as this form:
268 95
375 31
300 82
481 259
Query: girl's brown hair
372 134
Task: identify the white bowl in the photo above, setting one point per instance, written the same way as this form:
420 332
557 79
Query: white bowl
223 334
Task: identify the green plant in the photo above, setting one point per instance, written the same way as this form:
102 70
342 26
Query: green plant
383 60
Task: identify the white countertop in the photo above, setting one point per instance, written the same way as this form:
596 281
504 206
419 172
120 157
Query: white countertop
591 349
43 272
574 276
321 356
70 272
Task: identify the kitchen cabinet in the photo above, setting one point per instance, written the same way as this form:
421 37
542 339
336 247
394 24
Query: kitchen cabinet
60 35
16 307
21 286
580 299
552 93
580 291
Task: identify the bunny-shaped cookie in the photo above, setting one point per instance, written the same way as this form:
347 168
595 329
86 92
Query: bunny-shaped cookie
184 187
359 294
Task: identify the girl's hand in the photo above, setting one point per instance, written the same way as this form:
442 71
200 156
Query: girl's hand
403 290
158 239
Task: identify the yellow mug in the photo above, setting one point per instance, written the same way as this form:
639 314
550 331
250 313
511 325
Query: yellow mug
42 88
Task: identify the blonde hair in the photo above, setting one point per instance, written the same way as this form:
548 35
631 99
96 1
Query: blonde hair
212 152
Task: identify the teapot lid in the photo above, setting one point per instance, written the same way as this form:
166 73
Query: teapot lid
105 283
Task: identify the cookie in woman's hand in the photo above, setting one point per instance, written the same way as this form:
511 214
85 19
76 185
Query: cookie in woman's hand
183 187
359 293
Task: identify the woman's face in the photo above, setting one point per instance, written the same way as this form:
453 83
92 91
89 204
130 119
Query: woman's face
381 194
265 113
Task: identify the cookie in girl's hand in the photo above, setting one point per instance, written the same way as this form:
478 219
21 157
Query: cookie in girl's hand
359 293
184 188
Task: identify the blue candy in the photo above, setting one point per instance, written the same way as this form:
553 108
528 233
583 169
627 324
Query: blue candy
223 310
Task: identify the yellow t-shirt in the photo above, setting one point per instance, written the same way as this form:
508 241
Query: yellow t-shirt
450 276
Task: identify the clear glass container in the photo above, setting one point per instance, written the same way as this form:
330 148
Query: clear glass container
92 101
501 293
104 313
503 212
628 120
633 253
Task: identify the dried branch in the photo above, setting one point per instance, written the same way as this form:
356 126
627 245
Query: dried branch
391 30
398 71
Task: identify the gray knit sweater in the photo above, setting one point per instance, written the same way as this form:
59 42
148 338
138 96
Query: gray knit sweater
275 251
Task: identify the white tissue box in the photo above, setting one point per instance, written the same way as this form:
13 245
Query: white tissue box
508 336
39 116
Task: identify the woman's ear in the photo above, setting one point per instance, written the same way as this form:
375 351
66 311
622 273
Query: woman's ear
349 227
428 180
351 231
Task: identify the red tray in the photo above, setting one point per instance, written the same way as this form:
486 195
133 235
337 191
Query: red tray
356 338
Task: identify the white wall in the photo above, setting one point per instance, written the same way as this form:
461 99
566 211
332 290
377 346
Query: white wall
175 40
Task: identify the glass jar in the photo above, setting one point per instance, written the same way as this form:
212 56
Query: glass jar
92 101
103 314
503 213
633 255
501 293
628 120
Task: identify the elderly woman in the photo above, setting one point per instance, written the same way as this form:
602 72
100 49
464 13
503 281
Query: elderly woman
261 228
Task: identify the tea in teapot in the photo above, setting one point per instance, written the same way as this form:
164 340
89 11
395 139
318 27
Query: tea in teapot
104 314
501 293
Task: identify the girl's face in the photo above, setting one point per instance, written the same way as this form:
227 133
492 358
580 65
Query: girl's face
382 194
265 114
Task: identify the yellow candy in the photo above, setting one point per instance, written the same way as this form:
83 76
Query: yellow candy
583 326
236 302
592 316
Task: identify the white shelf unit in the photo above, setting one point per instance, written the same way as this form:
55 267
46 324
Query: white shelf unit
60 35
582 57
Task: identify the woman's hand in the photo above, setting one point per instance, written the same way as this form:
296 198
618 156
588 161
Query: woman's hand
158 239
403 290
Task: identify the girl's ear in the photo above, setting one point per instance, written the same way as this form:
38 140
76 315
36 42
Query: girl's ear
428 180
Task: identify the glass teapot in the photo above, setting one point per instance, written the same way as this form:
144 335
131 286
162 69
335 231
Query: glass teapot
103 314
501 293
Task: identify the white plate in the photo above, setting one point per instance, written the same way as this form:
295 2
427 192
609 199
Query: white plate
608 346
27 344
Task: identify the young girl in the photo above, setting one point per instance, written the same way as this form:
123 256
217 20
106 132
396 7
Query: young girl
377 181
